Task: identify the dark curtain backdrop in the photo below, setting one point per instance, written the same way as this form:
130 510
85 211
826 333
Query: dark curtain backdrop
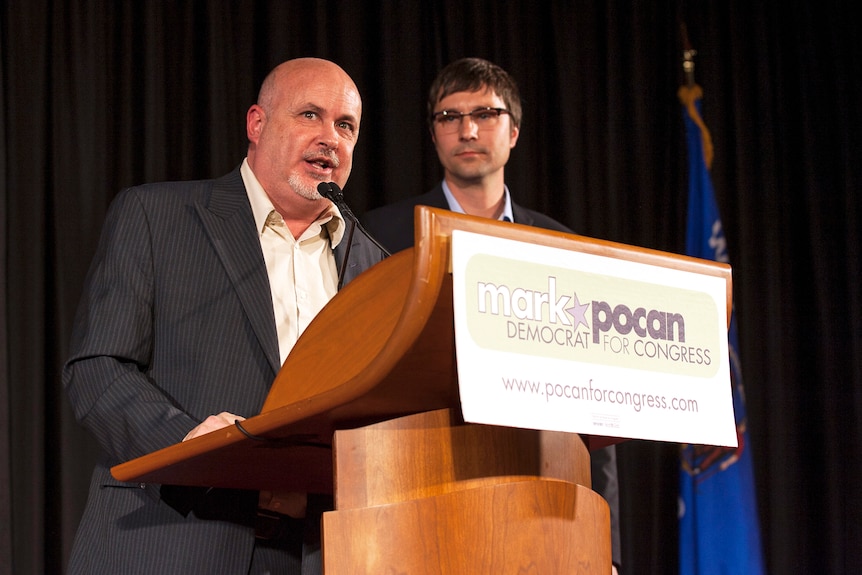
101 94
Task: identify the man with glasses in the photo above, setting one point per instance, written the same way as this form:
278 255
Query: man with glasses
474 114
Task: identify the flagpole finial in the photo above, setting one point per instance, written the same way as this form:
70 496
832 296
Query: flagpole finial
688 54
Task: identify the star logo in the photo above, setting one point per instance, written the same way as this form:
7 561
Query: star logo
578 312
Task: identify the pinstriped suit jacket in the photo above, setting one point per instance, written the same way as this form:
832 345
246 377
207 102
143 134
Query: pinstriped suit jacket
392 225
175 324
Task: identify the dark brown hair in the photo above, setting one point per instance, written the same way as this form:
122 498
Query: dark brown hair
472 75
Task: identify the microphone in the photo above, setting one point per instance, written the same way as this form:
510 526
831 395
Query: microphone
332 192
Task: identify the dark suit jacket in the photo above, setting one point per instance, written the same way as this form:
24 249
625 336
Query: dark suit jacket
392 226
175 323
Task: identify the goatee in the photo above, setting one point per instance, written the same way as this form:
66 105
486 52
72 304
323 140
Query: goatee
303 189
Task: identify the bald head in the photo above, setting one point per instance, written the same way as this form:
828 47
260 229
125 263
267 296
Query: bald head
295 72
302 131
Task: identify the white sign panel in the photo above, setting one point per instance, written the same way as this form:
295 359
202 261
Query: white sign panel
566 341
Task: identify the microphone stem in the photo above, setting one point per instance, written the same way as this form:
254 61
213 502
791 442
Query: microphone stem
332 192
346 256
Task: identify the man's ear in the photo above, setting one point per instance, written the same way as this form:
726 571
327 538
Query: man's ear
254 121
513 136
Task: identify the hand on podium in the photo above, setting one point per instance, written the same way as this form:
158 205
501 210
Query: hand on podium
212 423
289 503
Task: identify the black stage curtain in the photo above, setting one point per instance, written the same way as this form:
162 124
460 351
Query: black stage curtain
101 94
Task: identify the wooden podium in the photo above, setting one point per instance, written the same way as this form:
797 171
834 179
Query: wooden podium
371 414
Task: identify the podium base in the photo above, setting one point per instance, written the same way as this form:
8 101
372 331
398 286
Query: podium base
429 494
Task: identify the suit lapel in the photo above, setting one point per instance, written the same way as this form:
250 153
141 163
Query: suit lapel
435 198
228 220
521 215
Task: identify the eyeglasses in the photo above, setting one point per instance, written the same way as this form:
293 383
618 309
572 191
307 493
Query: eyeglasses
486 118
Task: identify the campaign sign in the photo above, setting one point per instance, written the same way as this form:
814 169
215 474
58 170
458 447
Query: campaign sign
560 340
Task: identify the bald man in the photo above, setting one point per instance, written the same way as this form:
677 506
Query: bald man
195 296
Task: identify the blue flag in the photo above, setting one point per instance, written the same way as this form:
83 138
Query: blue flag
719 532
